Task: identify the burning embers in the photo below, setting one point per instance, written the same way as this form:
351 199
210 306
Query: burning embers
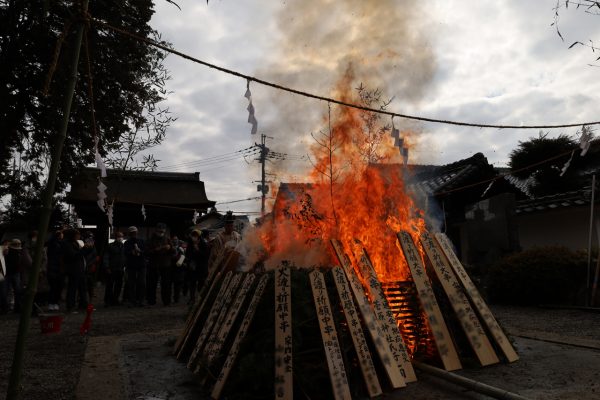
339 325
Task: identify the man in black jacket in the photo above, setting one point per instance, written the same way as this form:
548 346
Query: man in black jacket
114 265
160 254
135 267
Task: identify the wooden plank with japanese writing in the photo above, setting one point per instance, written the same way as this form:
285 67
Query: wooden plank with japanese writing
193 319
333 354
386 319
284 384
437 325
358 338
232 314
214 337
213 314
459 302
480 305
241 334
381 344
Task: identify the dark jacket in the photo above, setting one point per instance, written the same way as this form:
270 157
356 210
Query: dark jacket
114 257
13 262
197 255
54 249
74 258
135 257
160 252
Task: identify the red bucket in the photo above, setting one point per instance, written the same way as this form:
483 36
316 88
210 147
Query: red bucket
50 323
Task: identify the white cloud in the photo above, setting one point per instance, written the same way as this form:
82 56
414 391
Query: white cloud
493 62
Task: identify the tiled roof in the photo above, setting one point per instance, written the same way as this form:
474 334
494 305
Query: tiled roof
560 200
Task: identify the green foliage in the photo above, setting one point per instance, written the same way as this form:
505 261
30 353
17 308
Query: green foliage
541 275
128 82
543 158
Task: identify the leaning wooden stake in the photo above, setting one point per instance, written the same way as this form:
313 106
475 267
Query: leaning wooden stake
192 323
459 302
284 384
210 319
235 348
386 318
439 330
379 339
217 343
358 338
478 302
333 353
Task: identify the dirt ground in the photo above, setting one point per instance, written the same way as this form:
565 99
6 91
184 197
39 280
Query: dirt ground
127 355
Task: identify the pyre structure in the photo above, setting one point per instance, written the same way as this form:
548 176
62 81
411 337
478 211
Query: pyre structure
338 332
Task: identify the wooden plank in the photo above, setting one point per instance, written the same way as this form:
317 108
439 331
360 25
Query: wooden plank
241 334
358 338
229 298
381 344
210 319
386 319
232 314
284 385
480 305
333 354
193 318
439 330
459 302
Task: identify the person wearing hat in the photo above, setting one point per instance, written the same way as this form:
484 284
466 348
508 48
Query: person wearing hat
14 272
197 254
224 245
135 267
160 253
55 269
74 259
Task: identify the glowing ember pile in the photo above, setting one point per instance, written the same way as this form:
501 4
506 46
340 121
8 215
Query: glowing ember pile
356 192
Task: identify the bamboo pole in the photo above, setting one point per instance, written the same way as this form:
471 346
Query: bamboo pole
591 231
476 386
15 388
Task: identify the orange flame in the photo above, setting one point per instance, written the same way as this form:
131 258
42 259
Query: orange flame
356 191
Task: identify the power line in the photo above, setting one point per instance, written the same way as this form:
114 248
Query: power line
328 99
238 201
200 164
210 158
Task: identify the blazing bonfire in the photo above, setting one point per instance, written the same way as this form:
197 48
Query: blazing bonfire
345 287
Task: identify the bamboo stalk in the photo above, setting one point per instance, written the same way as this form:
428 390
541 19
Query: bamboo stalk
14 387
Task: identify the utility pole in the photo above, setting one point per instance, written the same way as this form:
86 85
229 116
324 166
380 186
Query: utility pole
263 188
14 386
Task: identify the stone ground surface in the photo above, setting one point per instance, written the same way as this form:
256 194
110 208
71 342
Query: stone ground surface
127 355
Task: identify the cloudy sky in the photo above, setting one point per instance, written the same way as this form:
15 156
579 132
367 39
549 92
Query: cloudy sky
478 61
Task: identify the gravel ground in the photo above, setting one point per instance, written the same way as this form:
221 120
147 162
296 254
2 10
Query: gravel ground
141 338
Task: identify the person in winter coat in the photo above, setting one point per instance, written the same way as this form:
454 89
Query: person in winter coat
75 268
114 266
91 266
197 254
135 267
55 270
14 272
3 282
160 253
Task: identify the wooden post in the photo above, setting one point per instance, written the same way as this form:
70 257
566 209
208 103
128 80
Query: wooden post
381 344
210 320
439 330
459 302
216 345
193 319
480 305
386 319
284 385
333 354
235 348
358 338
